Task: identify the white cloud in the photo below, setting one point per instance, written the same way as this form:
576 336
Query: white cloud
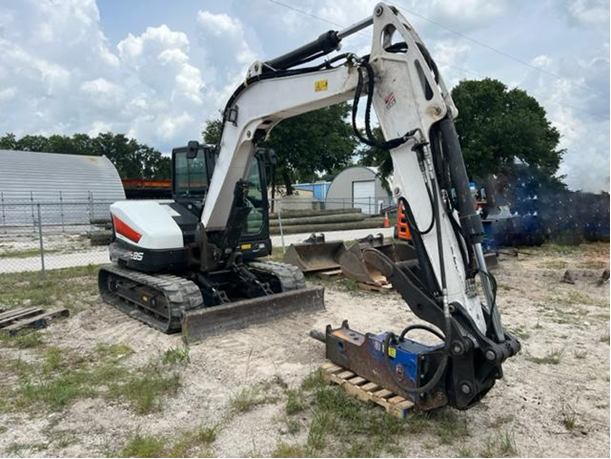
578 106
588 12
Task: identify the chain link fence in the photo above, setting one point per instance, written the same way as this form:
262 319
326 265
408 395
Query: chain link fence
37 236
42 235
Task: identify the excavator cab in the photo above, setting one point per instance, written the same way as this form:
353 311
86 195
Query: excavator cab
192 170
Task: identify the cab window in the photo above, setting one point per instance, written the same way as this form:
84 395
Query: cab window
254 222
190 175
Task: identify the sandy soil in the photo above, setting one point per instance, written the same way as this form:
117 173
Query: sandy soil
531 399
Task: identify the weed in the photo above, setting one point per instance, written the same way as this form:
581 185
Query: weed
520 333
321 423
503 445
580 355
292 426
569 417
248 398
295 402
112 353
53 359
448 426
144 389
176 356
16 448
465 451
553 357
286 450
143 446
498 422
605 338
26 340
313 381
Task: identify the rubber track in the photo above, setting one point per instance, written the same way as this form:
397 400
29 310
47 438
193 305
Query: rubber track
290 277
182 295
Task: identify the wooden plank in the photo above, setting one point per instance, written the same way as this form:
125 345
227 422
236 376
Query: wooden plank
14 312
18 315
374 288
38 321
395 400
370 387
331 273
330 367
346 375
357 381
383 394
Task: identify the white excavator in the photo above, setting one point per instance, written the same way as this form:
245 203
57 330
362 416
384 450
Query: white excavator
199 263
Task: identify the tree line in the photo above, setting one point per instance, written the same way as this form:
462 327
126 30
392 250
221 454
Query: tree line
131 158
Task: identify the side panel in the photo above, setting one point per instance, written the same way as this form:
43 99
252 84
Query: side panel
152 221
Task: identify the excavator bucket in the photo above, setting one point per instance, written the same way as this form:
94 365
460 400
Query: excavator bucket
355 267
315 254
201 323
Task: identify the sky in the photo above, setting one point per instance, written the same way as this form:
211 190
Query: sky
157 70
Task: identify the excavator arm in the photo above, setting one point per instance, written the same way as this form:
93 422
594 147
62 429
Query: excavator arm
400 81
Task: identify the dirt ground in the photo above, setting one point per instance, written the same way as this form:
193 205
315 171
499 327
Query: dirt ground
553 400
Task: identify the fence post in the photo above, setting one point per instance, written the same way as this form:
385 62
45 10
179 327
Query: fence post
61 210
3 214
280 226
42 248
32 205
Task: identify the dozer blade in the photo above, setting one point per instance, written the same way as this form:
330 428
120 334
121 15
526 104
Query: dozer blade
355 267
201 323
314 254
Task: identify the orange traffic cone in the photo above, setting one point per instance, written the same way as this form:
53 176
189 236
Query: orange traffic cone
386 223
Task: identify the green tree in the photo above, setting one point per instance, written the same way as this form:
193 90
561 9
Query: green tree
499 127
307 145
376 157
212 132
132 159
500 130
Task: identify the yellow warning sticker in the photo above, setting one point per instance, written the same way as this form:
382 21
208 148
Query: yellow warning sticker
321 85
392 352
246 246
145 298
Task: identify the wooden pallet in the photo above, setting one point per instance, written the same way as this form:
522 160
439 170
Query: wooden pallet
335 272
386 288
12 322
367 391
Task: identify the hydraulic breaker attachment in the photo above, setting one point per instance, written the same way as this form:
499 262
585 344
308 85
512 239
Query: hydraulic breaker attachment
354 266
412 363
315 254
204 322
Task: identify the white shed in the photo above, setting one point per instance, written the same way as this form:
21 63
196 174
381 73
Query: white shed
358 186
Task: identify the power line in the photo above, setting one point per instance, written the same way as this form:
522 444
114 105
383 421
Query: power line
465 71
498 51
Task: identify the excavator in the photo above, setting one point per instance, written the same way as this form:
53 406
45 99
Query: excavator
199 263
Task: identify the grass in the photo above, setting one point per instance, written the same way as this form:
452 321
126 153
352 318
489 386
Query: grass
26 253
286 450
448 426
189 443
580 355
177 356
553 357
57 377
250 397
24 340
295 402
569 417
70 286
501 445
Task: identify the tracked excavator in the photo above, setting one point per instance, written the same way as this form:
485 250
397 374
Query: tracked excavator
198 263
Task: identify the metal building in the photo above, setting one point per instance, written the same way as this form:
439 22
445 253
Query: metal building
358 186
71 188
